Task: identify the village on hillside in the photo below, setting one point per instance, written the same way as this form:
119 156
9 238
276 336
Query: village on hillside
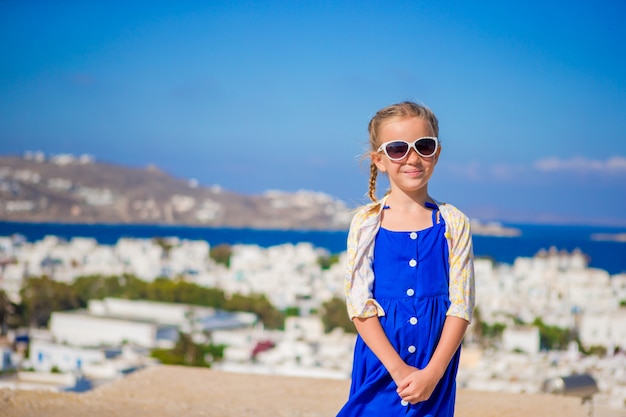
279 310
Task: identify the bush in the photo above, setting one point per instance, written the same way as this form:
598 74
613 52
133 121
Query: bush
552 337
188 353
336 315
325 262
42 296
221 254
493 331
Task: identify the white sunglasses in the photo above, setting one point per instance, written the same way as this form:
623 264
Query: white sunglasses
399 149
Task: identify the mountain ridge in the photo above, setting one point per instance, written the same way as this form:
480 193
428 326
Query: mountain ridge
78 189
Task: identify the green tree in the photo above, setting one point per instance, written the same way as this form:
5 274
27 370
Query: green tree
162 289
596 350
326 261
221 254
165 244
334 314
492 331
97 287
188 353
8 313
291 312
134 288
552 337
41 296
260 305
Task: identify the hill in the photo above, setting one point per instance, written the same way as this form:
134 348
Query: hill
70 189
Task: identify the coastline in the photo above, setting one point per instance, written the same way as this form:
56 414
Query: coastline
500 243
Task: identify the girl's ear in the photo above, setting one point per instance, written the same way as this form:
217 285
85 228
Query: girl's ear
378 161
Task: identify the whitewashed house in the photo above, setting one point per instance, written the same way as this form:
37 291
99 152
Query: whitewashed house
79 328
45 356
113 321
608 330
523 339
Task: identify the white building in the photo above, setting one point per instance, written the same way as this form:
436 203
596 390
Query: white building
44 356
79 328
521 339
608 330
113 322
94 363
555 286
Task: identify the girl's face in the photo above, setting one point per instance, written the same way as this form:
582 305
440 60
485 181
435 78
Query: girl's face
413 172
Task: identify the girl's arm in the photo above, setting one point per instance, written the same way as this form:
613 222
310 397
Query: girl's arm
420 384
374 336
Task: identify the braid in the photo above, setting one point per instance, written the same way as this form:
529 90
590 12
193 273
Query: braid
372 187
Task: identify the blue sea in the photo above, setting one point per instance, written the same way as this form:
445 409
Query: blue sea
607 255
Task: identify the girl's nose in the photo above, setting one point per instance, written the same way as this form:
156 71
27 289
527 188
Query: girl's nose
412 157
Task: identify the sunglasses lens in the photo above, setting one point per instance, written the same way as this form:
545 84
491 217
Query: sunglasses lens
426 146
396 150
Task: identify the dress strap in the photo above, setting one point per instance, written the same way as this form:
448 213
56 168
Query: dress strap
435 208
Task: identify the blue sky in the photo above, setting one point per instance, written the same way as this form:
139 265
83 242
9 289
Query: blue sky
252 96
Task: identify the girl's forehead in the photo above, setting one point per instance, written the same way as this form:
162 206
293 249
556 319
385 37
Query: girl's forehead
397 124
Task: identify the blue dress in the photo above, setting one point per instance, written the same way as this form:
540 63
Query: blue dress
411 272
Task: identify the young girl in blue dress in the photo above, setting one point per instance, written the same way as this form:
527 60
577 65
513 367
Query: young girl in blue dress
410 277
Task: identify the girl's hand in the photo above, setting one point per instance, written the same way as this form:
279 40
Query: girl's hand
418 386
402 372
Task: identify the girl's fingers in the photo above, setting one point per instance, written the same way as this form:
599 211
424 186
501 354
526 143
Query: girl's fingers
402 385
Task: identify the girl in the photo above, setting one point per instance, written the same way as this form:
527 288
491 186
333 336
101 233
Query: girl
410 277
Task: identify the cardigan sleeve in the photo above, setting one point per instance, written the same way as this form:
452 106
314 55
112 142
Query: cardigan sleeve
359 276
461 257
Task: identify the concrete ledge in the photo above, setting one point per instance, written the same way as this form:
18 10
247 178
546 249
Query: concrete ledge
172 391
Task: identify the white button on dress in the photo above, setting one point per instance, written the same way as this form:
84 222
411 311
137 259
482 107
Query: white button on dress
413 235
412 349
404 403
412 263
413 320
410 292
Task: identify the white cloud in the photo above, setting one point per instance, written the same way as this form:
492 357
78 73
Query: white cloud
505 172
475 171
541 170
613 165
617 163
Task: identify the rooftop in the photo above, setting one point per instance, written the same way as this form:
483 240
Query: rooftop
173 391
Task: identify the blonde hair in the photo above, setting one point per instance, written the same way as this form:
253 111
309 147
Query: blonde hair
406 109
